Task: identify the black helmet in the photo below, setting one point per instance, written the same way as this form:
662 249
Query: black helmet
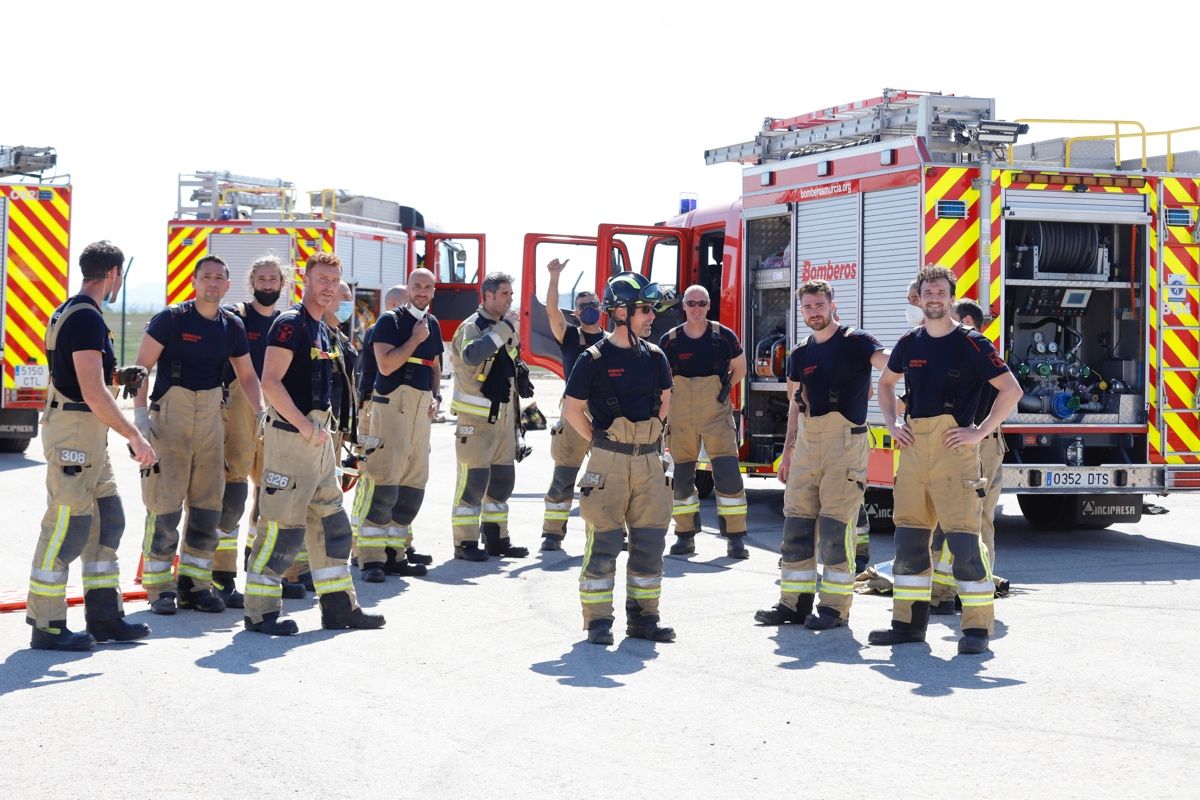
630 289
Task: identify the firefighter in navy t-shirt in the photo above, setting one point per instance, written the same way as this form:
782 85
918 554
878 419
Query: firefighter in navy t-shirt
829 383
624 384
83 516
567 448
945 367
193 343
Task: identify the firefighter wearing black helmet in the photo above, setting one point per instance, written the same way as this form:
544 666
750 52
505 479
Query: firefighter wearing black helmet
624 384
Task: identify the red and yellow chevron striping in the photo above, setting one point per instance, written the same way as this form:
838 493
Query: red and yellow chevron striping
1177 315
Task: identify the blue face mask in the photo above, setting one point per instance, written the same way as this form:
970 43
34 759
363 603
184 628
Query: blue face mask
345 310
589 316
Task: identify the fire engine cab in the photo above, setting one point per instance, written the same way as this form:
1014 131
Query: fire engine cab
1082 251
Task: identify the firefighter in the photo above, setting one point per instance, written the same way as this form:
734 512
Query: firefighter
301 500
567 448
84 516
483 353
407 349
624 384
707 362
991 455
367 371
940 477
829 382
192 343
243 441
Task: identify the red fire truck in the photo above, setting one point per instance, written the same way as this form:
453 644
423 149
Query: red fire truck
1084 249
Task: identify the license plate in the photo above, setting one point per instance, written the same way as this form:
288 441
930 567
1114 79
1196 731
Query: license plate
1075 478
31 376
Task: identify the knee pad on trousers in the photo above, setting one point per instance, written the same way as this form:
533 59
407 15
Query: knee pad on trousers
683 484
202 528
968 560
408 503
288 542
799 538
474 486
337 536
500 487
562 485
727 477
646 547
383 500
233 505
912 551
75 537
602 558
166 532
112 520
832 540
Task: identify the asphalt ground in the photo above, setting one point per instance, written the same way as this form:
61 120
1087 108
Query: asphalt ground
481 685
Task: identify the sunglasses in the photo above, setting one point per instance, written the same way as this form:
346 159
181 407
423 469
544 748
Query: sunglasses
696 303
645 309
585 306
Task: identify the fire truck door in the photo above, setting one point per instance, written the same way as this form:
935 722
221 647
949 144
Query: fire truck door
1179 352
664 260
458 262
538 345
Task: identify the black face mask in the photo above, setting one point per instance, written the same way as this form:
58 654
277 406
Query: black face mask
266 298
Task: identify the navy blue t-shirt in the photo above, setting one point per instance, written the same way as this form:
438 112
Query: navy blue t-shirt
367 370
202 347
844 357
630 377
695 358
83 330
257 326
310 374
394 329
571 348
927 363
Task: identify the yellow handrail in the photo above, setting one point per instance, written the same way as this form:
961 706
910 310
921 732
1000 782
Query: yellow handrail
1168 134
1116 136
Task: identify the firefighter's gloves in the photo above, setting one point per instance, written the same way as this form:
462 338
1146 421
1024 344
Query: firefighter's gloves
131 378
141 421
504 330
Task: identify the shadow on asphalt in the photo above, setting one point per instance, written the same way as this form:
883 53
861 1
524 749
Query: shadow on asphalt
247 650
11 462
35 669
592 666
936 677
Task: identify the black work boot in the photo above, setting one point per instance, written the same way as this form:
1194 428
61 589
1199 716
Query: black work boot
417 558
599 631
305 579
736 547
198 599
861 563
164 605
551 541
825 619
779 614
59 637
401 567
272 625
903 632
498 545
225 587
337 614
105 620
291 590
943 609
973 642
372 572
685 544
645 626
469 551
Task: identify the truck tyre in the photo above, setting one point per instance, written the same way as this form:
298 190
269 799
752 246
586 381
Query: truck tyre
14 445
1048 511
704 483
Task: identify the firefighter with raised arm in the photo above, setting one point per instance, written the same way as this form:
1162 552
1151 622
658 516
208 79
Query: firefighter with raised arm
243 441
407 349
483 354
301 498
84 516
707 362
193 343
567 447
940 478
618 397
825 471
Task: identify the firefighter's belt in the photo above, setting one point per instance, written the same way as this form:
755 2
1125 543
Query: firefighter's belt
624 448
857 429
69 406
284 426
383 401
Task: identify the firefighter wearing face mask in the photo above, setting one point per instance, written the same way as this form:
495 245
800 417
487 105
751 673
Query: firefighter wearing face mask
707 362
193 343
618 396
483 353
567 447
84 516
